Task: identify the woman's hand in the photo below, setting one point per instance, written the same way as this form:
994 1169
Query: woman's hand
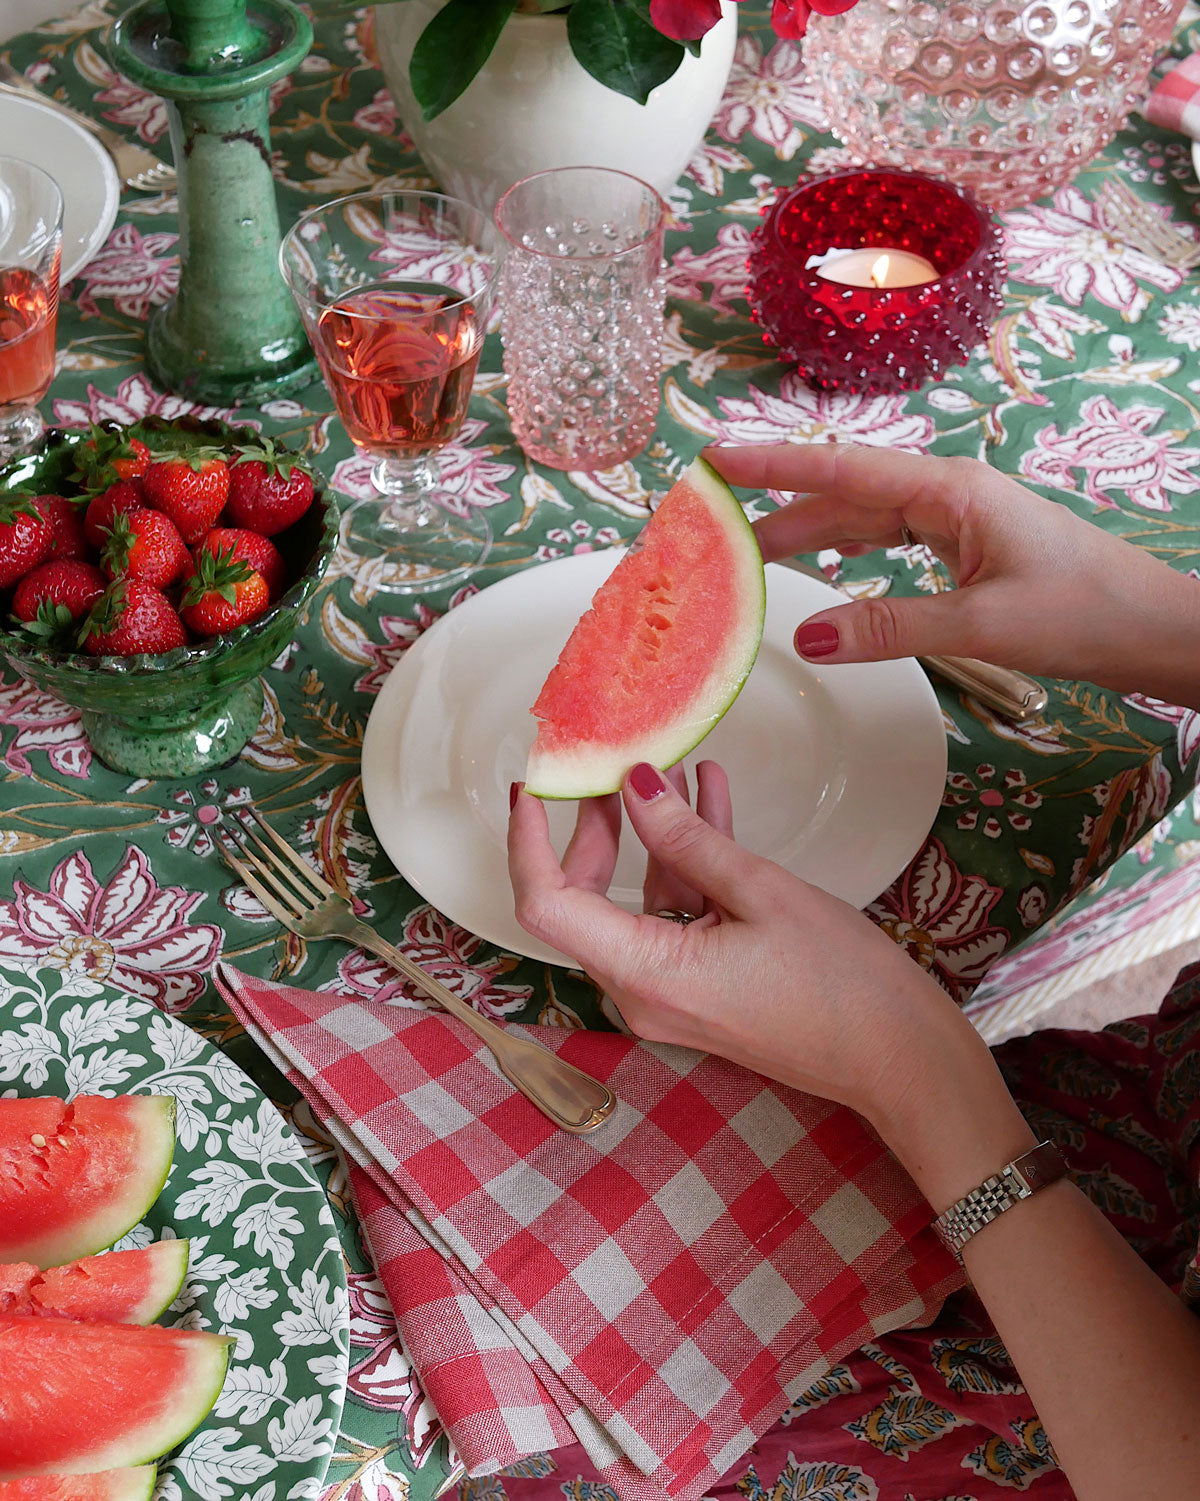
1039 588
776 975
796 985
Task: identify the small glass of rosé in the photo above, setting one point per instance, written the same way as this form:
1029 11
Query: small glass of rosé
30 253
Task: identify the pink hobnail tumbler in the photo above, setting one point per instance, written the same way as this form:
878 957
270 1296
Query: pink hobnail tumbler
1007 98
582 314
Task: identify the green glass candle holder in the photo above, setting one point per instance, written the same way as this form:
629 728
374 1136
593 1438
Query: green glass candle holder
231 335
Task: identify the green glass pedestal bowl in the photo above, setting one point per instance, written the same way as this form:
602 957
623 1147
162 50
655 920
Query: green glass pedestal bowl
180 712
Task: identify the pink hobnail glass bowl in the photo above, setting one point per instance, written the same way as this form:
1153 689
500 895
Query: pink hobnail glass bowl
1009 98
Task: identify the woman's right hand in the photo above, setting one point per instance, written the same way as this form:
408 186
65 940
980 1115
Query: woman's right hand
778 975
1039 588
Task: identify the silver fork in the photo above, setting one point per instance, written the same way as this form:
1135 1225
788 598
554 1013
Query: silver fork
1125 214
136 167
306 904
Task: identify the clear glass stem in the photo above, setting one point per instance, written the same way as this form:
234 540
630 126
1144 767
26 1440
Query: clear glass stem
20 428
407 486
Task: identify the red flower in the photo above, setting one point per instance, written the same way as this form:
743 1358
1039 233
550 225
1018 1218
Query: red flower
685 20
790 17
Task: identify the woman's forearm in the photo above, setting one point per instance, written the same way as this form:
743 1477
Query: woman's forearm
1158 652
1109 1356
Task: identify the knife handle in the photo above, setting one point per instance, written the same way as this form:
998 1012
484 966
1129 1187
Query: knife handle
1010 693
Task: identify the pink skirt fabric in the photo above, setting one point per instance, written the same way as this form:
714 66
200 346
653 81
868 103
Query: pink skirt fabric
940 1412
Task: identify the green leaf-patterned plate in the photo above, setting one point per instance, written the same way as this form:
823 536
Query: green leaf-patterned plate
265 1262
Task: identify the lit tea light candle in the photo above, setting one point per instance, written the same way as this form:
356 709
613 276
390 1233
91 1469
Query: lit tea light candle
877 266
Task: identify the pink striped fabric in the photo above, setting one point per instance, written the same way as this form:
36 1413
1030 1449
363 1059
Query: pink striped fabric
657 1290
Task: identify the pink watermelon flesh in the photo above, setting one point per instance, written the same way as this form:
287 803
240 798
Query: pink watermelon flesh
74 1177
663 651
77 1398
122 1287
135 1484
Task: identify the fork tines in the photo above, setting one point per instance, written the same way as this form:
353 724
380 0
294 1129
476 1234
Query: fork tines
271 868
1136 223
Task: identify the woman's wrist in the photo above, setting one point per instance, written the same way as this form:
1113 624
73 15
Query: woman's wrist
952 1121
1154 625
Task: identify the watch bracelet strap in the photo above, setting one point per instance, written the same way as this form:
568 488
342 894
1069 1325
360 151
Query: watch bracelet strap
1019 1179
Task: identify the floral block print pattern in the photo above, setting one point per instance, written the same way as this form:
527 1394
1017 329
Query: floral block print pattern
1061 835
264 1262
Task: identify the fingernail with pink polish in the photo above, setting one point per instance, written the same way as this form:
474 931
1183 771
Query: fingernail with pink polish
816 639
513 789
646 782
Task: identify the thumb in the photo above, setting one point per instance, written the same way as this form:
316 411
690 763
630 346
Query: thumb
876 630
688 847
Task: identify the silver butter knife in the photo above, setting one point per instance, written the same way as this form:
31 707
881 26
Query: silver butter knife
1010 693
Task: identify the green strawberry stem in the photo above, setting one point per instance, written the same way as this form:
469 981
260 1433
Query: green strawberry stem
105 615
265 452
114 555
52 626
195 458
216 574
18 503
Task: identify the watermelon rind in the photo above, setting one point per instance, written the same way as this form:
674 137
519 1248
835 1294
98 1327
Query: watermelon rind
590 770
120 1211
118 1287
194 1379
130 1484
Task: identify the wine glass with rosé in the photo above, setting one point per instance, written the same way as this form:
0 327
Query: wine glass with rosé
395 290
30 252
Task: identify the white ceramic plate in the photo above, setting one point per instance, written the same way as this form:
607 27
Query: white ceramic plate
77 162
836 773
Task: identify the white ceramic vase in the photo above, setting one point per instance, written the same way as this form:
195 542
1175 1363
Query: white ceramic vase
532 107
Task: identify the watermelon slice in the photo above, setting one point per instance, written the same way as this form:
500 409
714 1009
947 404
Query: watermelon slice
74 1177
76 1398
124 1287
663 651
110 1485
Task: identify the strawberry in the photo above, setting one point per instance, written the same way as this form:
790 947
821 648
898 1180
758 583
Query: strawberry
190 488
53 597
223 593
109 455
66 525
124 496
26 536
267 490
260 552
145 545
131 618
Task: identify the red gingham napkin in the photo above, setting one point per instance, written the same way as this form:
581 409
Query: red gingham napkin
657 1290
1173 102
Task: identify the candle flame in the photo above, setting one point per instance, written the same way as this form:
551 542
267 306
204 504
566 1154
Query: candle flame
879 270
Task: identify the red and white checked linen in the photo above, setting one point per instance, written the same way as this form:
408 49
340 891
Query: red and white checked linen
657 1290
1174 101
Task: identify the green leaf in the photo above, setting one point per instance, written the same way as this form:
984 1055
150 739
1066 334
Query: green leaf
619 48
453 48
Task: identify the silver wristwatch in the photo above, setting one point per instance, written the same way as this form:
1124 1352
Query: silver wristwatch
1037 1169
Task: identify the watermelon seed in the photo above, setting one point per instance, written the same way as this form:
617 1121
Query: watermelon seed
37 1140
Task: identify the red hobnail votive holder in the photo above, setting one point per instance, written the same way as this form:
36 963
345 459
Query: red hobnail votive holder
875 339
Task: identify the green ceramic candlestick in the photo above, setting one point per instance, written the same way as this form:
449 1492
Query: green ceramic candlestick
231 336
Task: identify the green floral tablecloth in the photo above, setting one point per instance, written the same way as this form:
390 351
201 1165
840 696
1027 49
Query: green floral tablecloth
1088 391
